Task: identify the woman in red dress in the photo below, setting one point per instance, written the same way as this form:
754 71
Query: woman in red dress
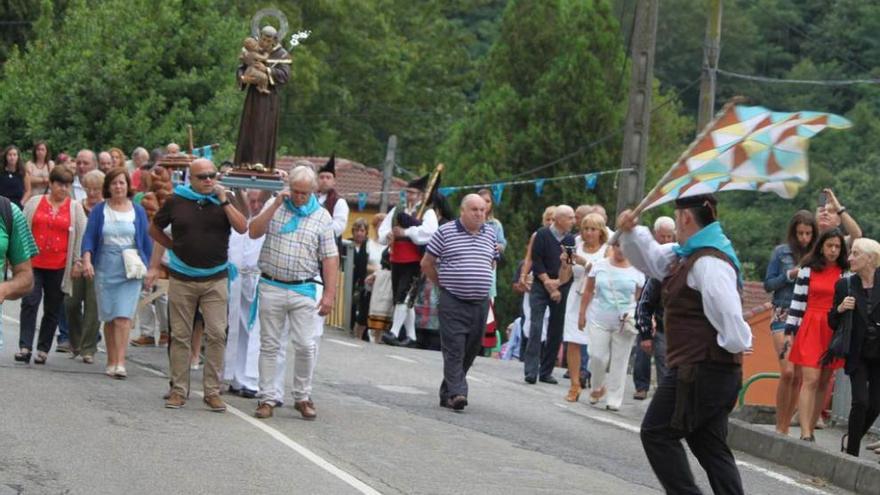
807 324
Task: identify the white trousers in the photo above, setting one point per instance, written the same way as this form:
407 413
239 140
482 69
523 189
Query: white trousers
152 317
242 345
610 348
282 351
281 312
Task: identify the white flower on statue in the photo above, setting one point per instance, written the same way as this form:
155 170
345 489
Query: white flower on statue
295 38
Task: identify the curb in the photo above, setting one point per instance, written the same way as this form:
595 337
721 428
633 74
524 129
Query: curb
842 470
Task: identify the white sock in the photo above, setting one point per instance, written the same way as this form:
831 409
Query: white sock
398 319
410 323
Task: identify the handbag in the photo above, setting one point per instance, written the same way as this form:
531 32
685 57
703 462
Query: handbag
839 347
134 266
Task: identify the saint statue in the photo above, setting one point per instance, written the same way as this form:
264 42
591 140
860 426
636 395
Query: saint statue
258 131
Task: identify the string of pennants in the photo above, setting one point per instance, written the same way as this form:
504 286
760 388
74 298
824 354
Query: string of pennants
590 181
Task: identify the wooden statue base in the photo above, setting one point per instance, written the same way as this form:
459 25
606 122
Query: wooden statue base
252 179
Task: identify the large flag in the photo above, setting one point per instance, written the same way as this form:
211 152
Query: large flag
746 149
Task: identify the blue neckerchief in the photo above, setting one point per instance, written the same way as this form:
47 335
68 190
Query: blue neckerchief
299 212
187 192
711 236
178 265
308 289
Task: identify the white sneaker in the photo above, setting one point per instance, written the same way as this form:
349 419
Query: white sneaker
111 370
120 373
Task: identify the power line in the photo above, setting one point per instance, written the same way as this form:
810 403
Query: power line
601 140
813 82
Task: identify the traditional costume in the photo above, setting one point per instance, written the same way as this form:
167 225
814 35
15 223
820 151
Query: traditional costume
335 204
406 255
706 336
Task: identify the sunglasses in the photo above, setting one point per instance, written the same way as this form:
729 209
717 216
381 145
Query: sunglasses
210 175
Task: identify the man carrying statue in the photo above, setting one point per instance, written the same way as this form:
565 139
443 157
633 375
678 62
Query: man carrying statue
258 130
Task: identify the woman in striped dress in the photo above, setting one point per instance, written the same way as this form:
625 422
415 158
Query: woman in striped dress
807 331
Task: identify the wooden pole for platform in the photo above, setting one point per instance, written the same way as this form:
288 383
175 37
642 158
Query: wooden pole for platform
189 131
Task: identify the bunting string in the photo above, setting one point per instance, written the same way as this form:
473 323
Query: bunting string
590 181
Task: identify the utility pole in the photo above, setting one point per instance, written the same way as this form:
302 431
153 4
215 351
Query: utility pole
711 52
631 185
388 172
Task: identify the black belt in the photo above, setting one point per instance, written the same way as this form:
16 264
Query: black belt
289 282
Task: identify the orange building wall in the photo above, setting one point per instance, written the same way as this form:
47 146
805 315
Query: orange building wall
762 359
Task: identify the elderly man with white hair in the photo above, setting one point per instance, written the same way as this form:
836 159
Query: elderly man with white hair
552 255
299 247
649 322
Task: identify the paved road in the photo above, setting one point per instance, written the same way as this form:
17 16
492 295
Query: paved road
67 428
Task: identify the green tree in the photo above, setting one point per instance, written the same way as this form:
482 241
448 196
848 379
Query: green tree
552 87
99 80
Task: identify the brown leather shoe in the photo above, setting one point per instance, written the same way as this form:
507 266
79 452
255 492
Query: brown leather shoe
215 404
175 401
264 411
143 340
640 395
306 408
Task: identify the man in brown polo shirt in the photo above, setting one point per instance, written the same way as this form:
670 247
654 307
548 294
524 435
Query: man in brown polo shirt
200 216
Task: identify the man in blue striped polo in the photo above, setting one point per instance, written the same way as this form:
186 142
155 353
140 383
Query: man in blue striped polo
459 260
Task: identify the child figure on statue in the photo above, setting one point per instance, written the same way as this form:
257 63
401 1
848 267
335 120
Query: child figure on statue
254 59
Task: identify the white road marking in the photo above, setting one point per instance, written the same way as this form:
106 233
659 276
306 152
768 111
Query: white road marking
475 379
781 477
342 342
314 458
13 320
401 358
635 429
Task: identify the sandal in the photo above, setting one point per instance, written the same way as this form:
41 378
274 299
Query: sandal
41 358
23 356
596 395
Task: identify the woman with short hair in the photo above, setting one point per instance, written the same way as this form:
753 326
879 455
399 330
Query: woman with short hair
57 222
591 248
115 226
607 309
855 293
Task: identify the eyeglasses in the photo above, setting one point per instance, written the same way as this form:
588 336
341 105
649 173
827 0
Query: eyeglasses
209 175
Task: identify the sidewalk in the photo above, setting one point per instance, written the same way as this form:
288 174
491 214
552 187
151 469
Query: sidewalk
821 459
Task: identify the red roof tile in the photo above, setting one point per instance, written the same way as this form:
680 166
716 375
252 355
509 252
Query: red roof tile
754 298
351 178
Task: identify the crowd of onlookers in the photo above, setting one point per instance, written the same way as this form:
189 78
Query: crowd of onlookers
80 223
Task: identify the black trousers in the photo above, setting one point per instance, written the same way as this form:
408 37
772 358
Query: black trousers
403 275
47 288
540 359
715 392
462 325
865 380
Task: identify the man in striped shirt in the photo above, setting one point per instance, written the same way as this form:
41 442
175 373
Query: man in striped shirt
459 260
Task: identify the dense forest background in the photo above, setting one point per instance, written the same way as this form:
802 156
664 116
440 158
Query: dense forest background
493 88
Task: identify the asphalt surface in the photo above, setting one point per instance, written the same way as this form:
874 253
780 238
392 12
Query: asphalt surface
67 428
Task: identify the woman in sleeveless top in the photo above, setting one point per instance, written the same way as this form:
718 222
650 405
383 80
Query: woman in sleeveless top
590 248
38 168
115 226
14 182
807 326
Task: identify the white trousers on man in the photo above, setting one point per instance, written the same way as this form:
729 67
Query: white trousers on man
243 344
610 348
281 363
284 312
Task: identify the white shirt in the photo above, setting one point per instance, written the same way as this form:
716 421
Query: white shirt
79 192
419 235
715 279
340 214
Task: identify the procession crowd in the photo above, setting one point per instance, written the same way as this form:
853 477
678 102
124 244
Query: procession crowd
228 279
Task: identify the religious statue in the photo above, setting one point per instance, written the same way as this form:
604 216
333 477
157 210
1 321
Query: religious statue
262 74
